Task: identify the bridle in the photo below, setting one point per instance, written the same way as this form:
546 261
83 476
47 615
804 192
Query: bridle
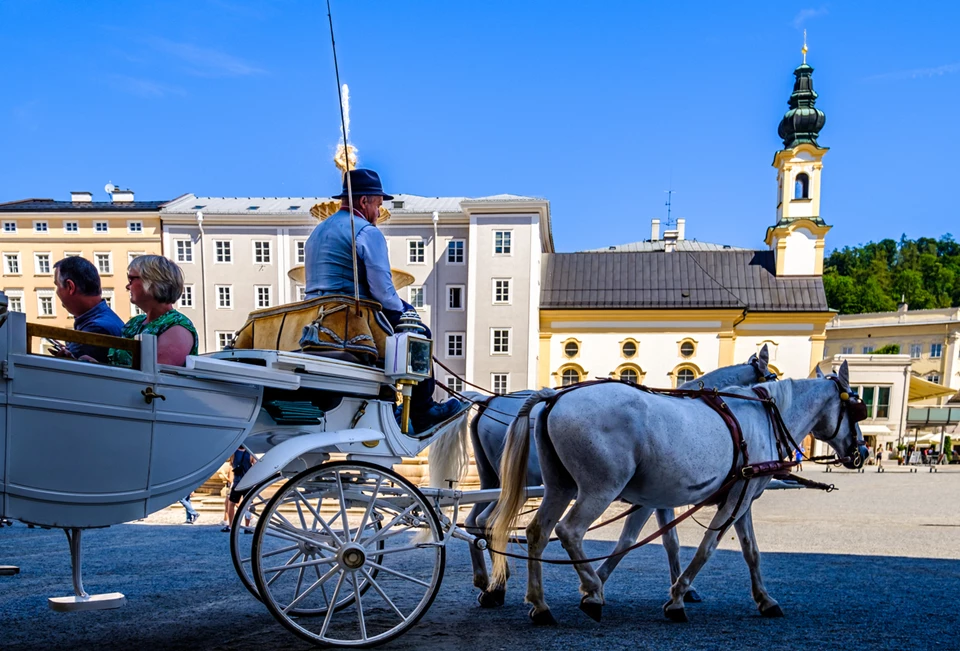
851 402
767 376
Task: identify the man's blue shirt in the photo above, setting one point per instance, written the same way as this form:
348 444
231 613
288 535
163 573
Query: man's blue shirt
101 319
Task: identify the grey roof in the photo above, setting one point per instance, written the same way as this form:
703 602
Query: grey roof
658 245
695 280
412 204
51 205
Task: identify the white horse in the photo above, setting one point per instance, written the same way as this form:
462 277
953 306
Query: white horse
488 431
605 441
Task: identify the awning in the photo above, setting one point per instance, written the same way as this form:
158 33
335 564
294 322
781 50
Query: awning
921 389
875 429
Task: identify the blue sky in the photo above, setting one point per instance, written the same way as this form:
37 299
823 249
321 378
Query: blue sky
598 107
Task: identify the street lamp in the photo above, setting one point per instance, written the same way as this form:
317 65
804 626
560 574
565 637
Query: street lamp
203 283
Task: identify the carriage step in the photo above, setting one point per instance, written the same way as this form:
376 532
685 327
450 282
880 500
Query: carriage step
76 604
9 570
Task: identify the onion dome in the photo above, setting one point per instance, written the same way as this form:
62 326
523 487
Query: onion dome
802 123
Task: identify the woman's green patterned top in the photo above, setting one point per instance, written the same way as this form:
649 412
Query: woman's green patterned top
137 326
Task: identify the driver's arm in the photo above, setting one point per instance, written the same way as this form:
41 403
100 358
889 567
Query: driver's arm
372 249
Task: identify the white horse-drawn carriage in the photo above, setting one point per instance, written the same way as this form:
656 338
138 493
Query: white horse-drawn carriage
344 551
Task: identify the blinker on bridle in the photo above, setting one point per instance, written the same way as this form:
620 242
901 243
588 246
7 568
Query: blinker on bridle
851 402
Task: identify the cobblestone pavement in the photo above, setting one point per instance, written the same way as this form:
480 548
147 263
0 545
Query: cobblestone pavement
872 565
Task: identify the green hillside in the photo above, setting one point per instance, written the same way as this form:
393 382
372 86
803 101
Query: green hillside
872 277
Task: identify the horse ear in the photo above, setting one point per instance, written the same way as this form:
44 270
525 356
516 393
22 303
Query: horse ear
819 372
844 374
764 355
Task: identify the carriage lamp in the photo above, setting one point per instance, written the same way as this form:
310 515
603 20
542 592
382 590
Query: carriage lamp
408 358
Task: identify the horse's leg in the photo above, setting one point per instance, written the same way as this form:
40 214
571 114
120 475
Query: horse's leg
480 577
751 553
673 609
491 596
571 531
538 535
632 527
671 545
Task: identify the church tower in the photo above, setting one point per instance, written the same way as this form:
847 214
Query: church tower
797 238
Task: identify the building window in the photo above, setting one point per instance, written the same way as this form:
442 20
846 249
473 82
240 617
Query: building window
500 341
301 251
224 339
9 227
301 293
134 227
455 344
500 383
186 298
846 350
100 227
630 375
936 350
40 227
42 263
225 297
135 311
628 349
184 251
685 375
502 242
103 262
569 376
454 297
455 252
934 377
916 351
687 348
455 384
571 349
415 250
261 253
801 188
11 263
264 296
15 302
223 251
501 291
45 305
71 227
415 296
107 297
867 350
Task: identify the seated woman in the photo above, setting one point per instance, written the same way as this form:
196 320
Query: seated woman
155 284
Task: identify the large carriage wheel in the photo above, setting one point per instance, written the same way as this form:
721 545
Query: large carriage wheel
252 506
324 514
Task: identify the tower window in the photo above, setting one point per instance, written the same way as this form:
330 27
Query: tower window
801 188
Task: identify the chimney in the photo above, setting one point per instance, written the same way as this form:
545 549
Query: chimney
669 241
122 196
654 230
81 197
681 227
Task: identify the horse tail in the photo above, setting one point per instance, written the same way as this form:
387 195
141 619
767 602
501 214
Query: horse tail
513 481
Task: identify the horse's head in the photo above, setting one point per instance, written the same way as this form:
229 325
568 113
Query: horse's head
838 425
759 363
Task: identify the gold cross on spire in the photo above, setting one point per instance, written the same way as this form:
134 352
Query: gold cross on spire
804 50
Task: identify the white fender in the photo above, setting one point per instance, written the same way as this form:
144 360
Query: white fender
280 456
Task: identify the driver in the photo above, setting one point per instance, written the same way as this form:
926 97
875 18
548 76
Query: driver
329 270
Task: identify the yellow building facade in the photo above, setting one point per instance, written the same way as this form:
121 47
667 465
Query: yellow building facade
36 233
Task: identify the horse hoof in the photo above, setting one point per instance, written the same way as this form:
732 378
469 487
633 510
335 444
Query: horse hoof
772 611
542 618
594 611
675 614
491 599
692 597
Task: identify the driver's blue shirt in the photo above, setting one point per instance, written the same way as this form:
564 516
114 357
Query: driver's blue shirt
329 261
101 319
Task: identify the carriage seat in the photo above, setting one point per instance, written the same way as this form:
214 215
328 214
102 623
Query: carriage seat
328 326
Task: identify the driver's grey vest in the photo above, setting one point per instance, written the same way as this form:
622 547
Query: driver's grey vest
328 258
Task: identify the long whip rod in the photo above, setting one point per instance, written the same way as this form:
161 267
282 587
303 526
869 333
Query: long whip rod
346 161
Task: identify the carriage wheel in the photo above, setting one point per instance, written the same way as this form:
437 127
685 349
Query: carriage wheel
324 515
241 543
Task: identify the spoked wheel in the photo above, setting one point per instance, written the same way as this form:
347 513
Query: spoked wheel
366 541
241 542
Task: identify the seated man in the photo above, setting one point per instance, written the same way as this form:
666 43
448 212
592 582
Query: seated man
78 288
329 270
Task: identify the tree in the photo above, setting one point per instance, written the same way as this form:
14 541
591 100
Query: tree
889 349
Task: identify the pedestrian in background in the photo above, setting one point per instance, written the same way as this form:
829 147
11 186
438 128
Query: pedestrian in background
799 458
240 463
192 515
